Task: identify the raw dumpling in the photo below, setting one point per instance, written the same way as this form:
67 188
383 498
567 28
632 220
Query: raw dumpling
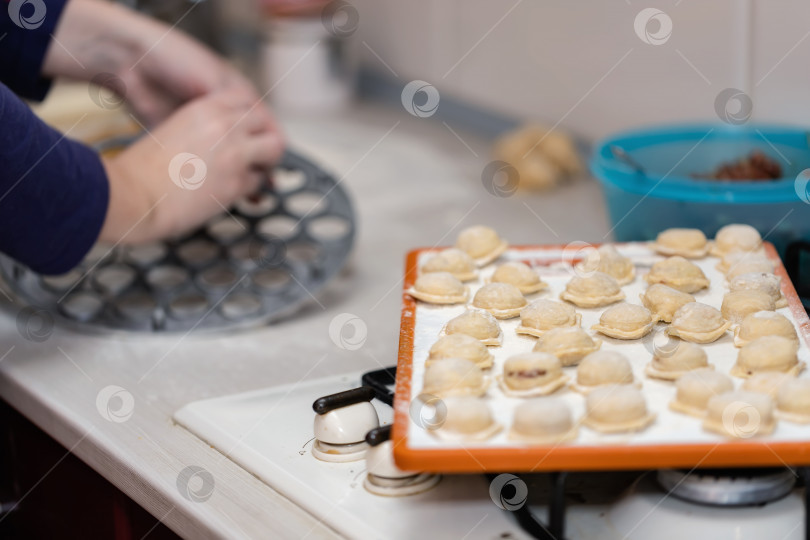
545 420
594 290
766 382
617 408
502 300
481 243
609 261
520 275
758 266
693 391
467 419
740 415
625 321
663 301
770 284
460 346
764 323
600 368
454 377
738 304
531 374
476 323
678 273
689 243
698 323
734 258
454 261
439 288
542 315
569 344
767 353
736 238
793 401
672 365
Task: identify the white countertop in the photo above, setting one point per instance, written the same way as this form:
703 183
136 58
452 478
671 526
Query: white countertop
414 183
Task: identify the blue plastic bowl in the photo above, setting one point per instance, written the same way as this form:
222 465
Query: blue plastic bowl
666 195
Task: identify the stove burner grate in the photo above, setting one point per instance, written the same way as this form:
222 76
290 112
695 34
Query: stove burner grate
727 487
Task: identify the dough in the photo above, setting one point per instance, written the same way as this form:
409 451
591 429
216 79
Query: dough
689 243
767 353
684 358
467 418
694 389
663 301
737 304
460 346
740 414
625 321
502 300
594 290
600 368
520 275
569 344
617 408
793 401
609 261
678 273
476 323
439 288
531 374
545 420
698 323
454 377
542 315
736 238
764 323
754 266
766 382
454 261
730 260
481 243
770 284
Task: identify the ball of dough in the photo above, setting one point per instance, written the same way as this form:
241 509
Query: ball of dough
760 281
476 323
520 275
737 304
460 346
467 417
531 370
454 377
616 408
764 323
737 238
675 362
678 273
480 242
698 323
694 389
690 243
793 401
740 414
569 344
604 367
543 315
593 290
543 420
625 321
453 261
664 301
609 261
766 382
501 299
767 353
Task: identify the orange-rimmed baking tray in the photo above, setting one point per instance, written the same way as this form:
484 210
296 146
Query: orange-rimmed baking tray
682 446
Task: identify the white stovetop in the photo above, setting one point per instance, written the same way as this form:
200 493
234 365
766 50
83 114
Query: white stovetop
414 183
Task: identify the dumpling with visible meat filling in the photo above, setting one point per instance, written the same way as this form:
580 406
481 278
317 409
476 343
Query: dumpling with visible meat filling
678 273
439 288
520 275
594 290
453 261
663 301
543 315
689 243
532 374
481 243
698 323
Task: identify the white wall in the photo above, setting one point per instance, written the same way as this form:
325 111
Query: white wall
581 63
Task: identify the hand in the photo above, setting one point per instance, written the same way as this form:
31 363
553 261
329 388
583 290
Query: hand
235 142
160 68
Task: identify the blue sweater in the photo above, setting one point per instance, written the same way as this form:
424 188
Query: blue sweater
53 191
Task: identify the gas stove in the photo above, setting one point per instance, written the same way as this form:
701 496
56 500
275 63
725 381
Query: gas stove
269 432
